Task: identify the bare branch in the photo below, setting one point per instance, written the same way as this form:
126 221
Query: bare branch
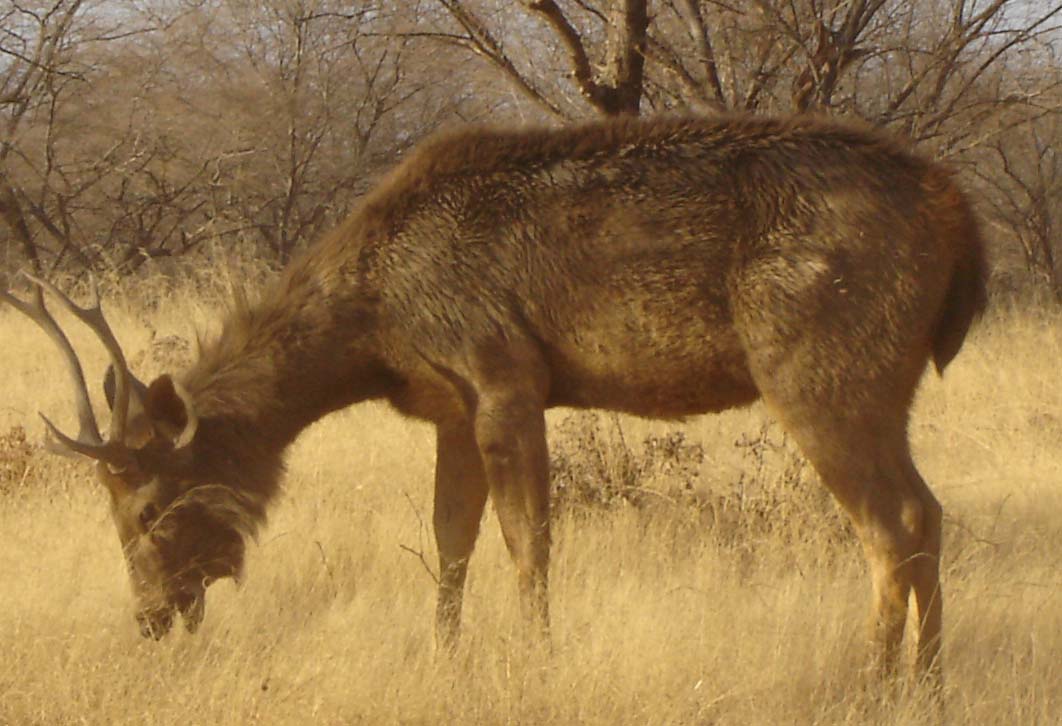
483 43
699 32
584 76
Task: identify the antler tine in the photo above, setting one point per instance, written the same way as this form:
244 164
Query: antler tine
89 441
93 317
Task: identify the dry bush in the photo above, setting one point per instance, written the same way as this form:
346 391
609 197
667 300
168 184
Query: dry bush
593 467
780 493
27 469
16 460
775 496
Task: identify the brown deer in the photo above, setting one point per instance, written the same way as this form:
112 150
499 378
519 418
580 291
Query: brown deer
664 268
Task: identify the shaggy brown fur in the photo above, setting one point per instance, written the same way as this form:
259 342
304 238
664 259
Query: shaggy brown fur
665 268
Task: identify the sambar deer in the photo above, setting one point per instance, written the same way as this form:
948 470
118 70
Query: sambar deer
663 268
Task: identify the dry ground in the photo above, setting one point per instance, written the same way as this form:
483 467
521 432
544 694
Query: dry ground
722 590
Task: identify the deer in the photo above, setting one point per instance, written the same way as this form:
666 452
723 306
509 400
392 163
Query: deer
663 267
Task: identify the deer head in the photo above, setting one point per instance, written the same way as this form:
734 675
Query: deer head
179 530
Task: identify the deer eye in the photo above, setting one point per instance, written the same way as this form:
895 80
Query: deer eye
148 515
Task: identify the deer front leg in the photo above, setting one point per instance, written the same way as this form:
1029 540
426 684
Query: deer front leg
511 434
460 495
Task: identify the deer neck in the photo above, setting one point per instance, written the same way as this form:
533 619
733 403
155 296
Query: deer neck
284 363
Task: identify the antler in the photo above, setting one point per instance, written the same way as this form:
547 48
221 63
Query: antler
89 432
89 442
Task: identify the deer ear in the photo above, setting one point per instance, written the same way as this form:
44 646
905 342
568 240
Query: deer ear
169 408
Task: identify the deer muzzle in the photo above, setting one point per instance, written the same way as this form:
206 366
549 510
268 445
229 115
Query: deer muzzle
156 621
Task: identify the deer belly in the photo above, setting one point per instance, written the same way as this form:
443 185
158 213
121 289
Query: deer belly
658 378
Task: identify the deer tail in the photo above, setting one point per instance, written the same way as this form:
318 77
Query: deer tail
967 294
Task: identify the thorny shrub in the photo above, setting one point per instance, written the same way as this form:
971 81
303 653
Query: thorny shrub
27 468
775 495
16 460
779 491
592 466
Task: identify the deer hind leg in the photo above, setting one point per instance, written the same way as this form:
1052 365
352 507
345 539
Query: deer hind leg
912 554
925 578
460 496
868 470
511 433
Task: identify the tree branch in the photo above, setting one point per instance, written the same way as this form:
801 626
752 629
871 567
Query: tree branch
483 43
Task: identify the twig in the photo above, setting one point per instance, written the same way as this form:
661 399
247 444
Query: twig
419 553
959 524
327 567
420 556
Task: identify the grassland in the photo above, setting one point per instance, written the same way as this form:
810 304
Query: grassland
713 584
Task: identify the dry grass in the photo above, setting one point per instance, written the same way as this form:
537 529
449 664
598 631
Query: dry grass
705 580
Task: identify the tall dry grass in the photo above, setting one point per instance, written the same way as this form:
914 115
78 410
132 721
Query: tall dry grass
703 578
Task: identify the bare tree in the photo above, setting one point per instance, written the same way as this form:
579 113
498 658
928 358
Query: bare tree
270 133
37 69
318 90
220 121
1025 199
